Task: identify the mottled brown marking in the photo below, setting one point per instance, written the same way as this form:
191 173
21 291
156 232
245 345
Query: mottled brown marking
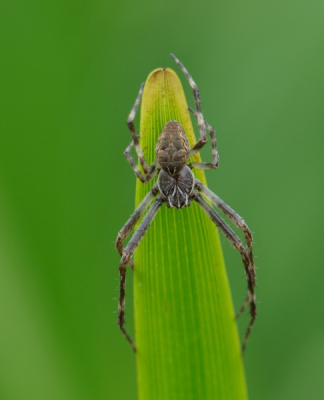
172 149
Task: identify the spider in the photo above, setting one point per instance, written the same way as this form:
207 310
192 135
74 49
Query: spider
177 187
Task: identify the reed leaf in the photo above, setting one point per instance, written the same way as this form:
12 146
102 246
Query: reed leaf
186 334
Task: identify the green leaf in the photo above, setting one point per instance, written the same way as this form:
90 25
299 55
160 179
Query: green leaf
186 334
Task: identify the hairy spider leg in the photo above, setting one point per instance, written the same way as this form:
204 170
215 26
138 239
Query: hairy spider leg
127 228
234 217
237 244
131 127
138 148
152 169
201 122
198 146
243 306
126 256
240 223
149 173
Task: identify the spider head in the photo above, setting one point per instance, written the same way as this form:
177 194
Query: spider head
172 149
177 189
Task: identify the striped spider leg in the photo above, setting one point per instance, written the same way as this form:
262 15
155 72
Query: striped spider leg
202 124
247 256
149 172
177 187
129 250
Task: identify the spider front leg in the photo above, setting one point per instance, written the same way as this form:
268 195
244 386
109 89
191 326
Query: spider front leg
127 228
126 256
236 243
200 144
235 218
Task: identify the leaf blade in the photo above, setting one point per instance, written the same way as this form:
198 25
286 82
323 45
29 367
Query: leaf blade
185 328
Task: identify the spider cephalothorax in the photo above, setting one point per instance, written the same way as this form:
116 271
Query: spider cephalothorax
177 188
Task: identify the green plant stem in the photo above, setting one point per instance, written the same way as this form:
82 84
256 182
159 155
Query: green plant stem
186 334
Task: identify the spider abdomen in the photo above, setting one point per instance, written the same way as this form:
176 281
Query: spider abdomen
177 189
172 149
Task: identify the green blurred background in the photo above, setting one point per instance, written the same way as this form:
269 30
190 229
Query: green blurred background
69 72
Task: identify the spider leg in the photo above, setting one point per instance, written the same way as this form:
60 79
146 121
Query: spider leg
234 217
131 127
245 303
236 243
152 168
199 145
127 228
201 122
126 256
